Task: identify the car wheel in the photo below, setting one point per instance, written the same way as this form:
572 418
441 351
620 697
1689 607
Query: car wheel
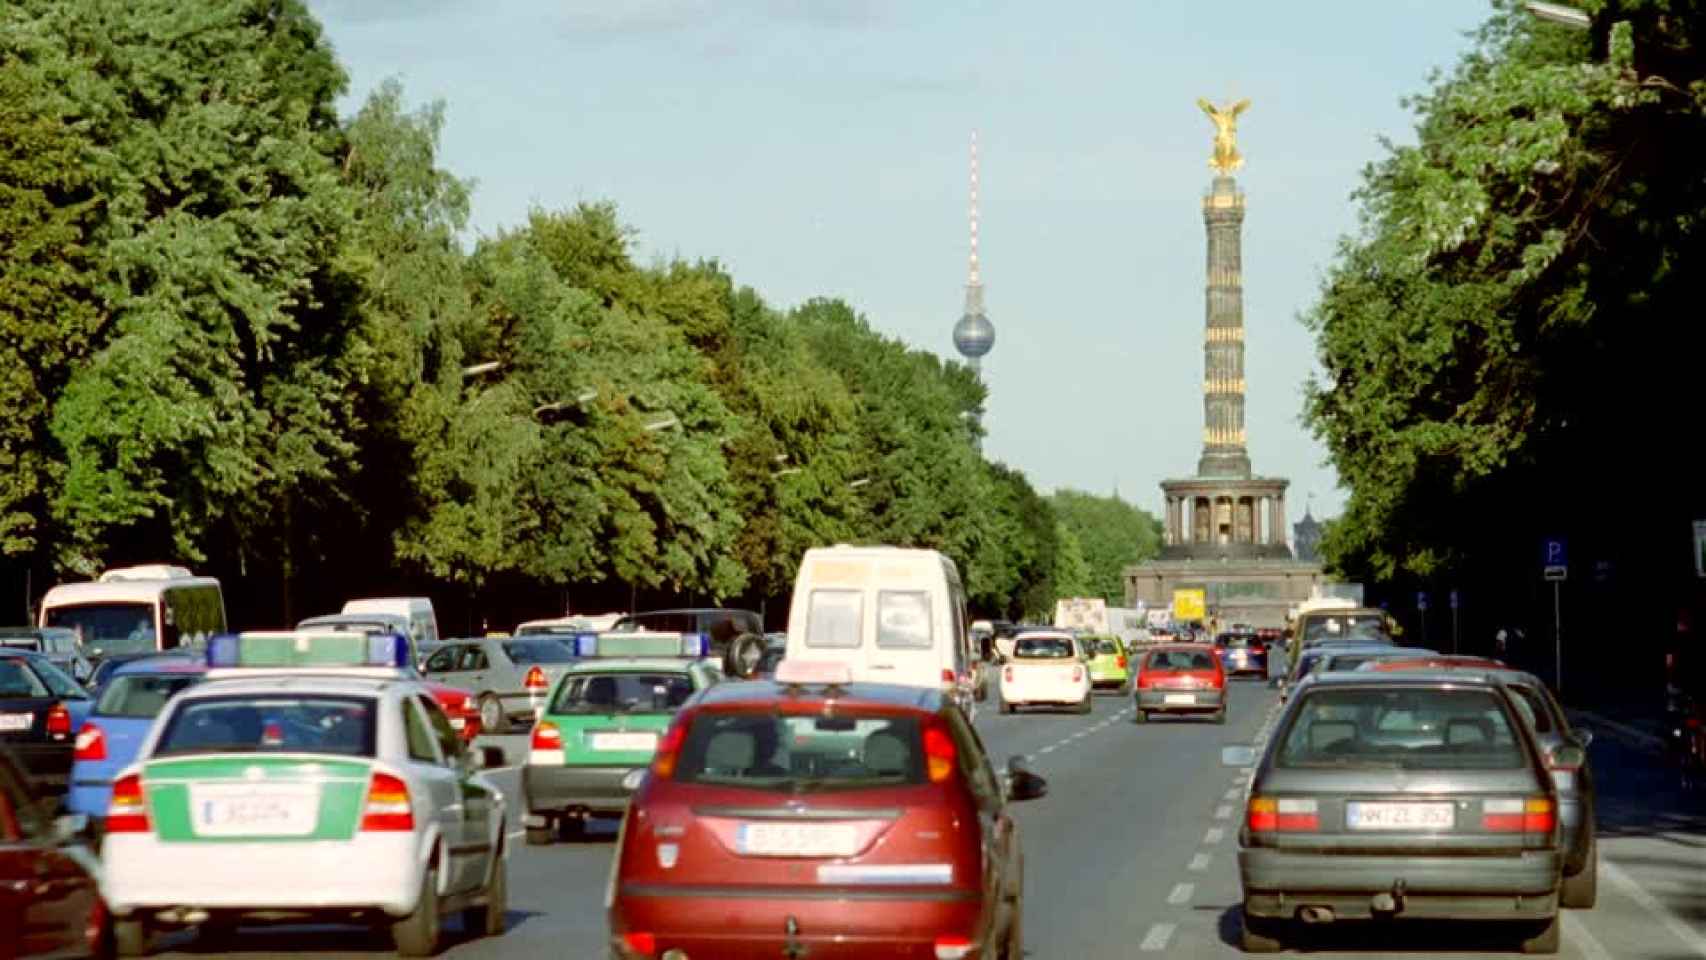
541 836
1006 707
1259 935
417 934
1087 704
1220 716
131 938
488 920
216 934
1544 938
1581 889
491 714
1140 716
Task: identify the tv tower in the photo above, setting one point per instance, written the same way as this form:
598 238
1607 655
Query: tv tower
974 335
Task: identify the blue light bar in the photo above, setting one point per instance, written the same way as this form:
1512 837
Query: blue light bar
307 649
642 644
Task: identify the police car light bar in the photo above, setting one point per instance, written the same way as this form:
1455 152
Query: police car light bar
298 649
827 673
604 645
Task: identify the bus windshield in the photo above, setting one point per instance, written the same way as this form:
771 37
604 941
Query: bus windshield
109 628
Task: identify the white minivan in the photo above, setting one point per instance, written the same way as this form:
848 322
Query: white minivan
423 623
893 615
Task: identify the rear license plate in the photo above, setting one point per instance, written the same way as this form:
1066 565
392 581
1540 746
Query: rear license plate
457 723
254 810
14 722
1399 816
797 839
624 741
1179 698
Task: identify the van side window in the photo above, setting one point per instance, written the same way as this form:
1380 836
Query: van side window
835 618
903 619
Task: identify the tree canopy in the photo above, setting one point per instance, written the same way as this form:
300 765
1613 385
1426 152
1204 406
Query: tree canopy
1108 535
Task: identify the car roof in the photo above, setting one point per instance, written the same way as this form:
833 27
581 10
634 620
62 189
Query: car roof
1357 649
1207 647
1420 678
161 664
618 664
19 653
765 692
274 683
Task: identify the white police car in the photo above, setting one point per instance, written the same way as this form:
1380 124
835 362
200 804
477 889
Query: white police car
307 779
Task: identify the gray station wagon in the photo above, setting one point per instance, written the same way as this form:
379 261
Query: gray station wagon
508 676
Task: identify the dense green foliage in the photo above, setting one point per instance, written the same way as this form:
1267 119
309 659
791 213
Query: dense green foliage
1108 535
241 332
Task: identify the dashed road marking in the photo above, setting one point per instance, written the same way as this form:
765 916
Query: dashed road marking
1200 862
515 833
1214 836
1684 932
1577 933
1232 794
1181 894
1047 749
1157 937
1223 812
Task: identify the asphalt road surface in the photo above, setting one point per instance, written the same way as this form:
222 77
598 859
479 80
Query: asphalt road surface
1134 853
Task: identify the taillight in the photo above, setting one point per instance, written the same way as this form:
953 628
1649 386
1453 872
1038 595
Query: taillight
1077 674
952 947
1121 661
663 760
1283 815
644 944
535 679
948 676
939 754
546 736
126 811
387 804
1007 674
91 743
59 721
1518 815
1144 680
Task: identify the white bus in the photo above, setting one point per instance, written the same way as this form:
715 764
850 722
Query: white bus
141 609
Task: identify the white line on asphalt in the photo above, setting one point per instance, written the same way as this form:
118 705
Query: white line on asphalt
1214 835
515 833
1157 937
1047 749
1684 932
1223 812
1200 862
1232 794
1246 771
1577 933
1181 894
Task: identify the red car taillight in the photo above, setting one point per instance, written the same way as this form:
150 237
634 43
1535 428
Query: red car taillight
952 947
387 805
644 944
1283 815
59 722
1144 680
1121 661
939 754
948 676
546 736
1518 815
91 743
663 760
535 679
1077 674
127 812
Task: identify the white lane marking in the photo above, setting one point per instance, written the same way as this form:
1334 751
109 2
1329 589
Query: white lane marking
1577 933
1684 932
1200 862
1047 749
1157 937
1181 894
1223 812
1232 794
515 833
1214 835
1246 771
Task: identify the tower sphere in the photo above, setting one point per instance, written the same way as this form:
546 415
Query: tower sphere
974 335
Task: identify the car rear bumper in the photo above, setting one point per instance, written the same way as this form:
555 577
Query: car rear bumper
47 764
89 796
1045 696
1520 886
1155 701
372 872
522 707
551 790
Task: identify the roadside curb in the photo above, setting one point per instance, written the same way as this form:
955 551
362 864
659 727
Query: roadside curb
1639 736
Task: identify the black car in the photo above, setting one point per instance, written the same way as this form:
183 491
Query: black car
41 709
50 905
722 625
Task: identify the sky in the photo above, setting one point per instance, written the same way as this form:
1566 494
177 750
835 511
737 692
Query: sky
820 148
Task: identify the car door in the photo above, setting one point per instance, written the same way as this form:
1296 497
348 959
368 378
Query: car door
430 768
475 668
46 896
442 665
997 833
480 802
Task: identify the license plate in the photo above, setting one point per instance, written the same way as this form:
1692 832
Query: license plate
14 722
624 741
797 839
254 810
457 723
1399 816
1179 698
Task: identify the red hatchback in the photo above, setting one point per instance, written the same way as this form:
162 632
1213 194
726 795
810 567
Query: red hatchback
812 817
1181 678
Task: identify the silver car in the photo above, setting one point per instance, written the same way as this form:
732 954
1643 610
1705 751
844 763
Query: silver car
58 644
1409 795
508 676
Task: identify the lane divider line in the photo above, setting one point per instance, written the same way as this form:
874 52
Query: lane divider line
1677 925
1214 835
1156 939
1223 812
1181 894
1577 933
1200 862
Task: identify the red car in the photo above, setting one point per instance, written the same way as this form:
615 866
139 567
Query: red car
459 706
1181 678
50 905
812 817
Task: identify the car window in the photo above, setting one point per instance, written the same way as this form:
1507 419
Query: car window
141 695
903 619
417 734
835 618
768 751
1103 647
443 660
18 681
1043 648
59 683
449 743
1413 727
283 724
473 658
527 650
1179 660
1533 707
633 693
974 762
20 816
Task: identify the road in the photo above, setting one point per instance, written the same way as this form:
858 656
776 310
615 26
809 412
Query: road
1134 852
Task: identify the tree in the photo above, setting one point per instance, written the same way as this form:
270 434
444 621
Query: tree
1072 575
1111 535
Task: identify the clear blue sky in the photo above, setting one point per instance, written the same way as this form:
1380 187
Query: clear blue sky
818 148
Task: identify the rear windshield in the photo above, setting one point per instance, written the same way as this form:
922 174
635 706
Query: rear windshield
903 619
1348 661
1235 640
1179 660
835 618
623 693
1412 727
1533 707
1101 645
766 751
1045 648
541 650
1365 627
342 726
18 681
141 695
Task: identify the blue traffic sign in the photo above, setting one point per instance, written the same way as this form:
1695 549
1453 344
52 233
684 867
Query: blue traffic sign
1421 601
1454 599
1554 552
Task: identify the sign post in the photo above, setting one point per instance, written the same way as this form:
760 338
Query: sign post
1454 633
1557 570
1422 609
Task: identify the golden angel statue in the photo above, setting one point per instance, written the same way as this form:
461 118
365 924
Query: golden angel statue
1226 156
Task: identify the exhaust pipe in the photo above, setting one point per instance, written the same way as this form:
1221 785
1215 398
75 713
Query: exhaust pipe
1316 914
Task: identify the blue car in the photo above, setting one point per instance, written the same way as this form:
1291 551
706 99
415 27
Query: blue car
1242 653
129 701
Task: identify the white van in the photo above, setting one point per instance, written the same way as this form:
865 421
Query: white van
423 623
142 609
893 615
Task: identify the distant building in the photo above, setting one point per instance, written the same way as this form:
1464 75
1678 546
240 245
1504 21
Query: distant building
1306 538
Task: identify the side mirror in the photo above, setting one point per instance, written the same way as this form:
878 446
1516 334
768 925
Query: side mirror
631 782
1238 755
1584 736
1567 757
492 758
70 827
1022 783
1278 683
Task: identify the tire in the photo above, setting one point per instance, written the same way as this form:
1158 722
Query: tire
131 938
1013 942
1259 934
216 934
1087 704
1140 716
1544 938
1220 716
541 836
492 719
419 933
1006 707
488 920
1580 890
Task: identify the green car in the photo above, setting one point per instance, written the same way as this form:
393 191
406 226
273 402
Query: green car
1109 663
601 724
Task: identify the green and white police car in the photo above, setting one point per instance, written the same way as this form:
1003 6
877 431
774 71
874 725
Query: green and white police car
308 778
602 722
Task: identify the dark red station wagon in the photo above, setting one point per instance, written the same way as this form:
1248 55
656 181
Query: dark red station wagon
812 817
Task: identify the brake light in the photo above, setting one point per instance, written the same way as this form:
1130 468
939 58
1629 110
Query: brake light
91 743
952 947
644 944
1077 674
1121 661
126 811
59 721
948 676
663 761
535 679
939 754
387 804
1007 674
1144 680
1283 815
1518 815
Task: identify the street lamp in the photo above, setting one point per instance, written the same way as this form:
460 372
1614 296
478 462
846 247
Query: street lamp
480 368
858 483
1560 14
664 424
